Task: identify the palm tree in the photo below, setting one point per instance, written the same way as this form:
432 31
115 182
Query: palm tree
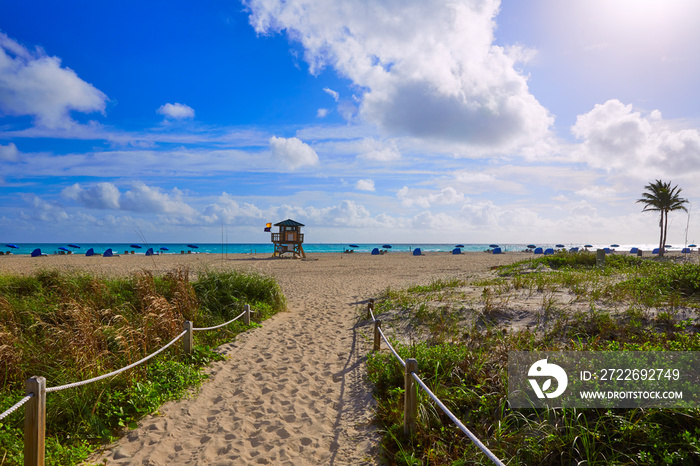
661 197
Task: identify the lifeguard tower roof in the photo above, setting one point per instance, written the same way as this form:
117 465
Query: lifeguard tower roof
289 223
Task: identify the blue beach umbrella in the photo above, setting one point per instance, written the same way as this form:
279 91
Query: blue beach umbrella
692 245
164 249
354 246
459 246
12 246
614 245
559 246
387 246
588 246
493 245
135 246
63 249
531 246
74 246
193 246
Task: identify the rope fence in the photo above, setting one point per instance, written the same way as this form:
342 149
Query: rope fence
36 390
16 406
411 392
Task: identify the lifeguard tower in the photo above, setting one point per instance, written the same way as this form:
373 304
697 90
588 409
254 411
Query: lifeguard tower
289 239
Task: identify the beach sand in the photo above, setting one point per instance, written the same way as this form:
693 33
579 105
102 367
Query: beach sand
292 392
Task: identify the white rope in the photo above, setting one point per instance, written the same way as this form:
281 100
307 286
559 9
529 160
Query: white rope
372 314
221 325
459 424
16 406
403 363
95 379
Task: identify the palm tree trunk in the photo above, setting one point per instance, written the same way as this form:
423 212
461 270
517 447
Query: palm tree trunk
661 236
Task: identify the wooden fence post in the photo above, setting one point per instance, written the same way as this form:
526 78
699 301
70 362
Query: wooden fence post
600 258
377 335
188 341
410 400
246 316
370 308
35 422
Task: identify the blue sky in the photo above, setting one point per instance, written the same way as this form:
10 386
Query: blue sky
417 121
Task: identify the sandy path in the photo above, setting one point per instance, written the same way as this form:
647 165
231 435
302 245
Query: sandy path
293 392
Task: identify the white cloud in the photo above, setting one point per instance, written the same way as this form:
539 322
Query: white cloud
230 211
292 152
32 83
98 196
365 185
378 151
421 198
428 68
321 113
140 198
616 137
9 153
176 111
332 93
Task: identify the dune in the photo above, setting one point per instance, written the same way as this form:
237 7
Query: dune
292 392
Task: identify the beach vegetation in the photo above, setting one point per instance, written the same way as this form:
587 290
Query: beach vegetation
69 327
632 304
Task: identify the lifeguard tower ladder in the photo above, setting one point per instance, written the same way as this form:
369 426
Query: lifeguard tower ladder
289 239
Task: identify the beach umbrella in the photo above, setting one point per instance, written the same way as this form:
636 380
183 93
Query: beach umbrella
74 246
164 249
63 249
135 246
493 245
692 245
559 246
354 246
12 246
588 246
614 245
459 246
387 246
531 246
667 246
193 246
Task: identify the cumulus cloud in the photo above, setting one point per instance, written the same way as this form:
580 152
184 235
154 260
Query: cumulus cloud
378 151
321 113
140 198
98 196
427 68
365 185
33 83
9 153
616 137
292 152
230 211
412 197
176 111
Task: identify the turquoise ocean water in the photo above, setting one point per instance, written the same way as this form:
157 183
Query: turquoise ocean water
266 248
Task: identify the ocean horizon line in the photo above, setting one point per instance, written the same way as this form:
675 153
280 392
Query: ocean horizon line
311 248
